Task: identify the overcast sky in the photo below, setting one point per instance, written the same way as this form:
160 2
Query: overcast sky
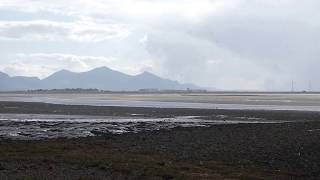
224 44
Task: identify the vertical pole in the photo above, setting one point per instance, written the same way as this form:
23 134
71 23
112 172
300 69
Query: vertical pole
310 86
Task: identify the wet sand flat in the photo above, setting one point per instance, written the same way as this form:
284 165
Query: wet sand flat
217 100
283 150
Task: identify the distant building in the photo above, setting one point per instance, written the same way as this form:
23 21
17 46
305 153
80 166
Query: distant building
149 90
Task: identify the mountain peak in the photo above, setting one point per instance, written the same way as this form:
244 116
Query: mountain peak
102 68
146 73
3 74
60 74
63 71
100 71
102 78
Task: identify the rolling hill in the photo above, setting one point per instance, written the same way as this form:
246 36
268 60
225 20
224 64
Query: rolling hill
102 78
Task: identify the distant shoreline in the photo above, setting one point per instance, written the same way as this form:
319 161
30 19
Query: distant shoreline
193 100
146 91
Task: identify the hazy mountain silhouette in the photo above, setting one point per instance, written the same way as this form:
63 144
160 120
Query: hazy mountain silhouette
18 82
101 78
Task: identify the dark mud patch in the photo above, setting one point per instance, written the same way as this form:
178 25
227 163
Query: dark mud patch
237 151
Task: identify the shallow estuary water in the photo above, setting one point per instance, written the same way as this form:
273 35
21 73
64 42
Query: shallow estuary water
242 101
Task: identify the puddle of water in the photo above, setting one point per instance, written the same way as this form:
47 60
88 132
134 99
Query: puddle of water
312 130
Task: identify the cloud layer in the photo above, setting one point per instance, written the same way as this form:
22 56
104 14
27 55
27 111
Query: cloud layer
235 44
55 31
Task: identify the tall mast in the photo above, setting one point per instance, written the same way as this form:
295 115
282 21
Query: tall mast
310 86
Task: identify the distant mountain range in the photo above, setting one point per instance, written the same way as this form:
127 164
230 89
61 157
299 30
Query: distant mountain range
101 78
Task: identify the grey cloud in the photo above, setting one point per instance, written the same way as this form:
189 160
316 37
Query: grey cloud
241 44
49 30
265 50
182 56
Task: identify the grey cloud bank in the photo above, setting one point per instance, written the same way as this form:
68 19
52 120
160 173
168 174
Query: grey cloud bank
232 45
55 31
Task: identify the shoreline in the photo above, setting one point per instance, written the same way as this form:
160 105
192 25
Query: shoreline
17 107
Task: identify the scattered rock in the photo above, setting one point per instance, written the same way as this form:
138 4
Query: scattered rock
161 163
167 176
2 167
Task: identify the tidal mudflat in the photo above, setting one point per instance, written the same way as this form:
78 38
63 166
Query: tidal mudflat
156 143
48 126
